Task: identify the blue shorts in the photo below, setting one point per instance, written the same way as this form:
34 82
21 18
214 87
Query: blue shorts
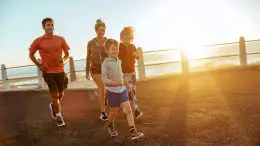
115 99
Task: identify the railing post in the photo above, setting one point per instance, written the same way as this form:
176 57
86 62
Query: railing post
141 67
4 73
41 83
184 62
73 76
242 52
4 77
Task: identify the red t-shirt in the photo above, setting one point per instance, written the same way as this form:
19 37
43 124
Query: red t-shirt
50 49
127 57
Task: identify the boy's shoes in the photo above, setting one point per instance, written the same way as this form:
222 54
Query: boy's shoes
112 131
135 135
103 117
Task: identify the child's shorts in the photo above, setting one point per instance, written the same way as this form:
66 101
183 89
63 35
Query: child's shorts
115 99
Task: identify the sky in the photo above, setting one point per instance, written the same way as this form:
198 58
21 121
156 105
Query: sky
159 24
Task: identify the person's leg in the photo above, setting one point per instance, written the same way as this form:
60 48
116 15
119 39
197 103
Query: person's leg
130 119
60 80
129 114
131 91
114 100
131 88
112 115
60 95
53 88
50 80
56 101
66 82
97 79
101 89
111 118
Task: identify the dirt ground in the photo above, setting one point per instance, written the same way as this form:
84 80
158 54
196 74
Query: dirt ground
209 108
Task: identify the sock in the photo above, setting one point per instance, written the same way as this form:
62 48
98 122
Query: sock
110 124
132 128
103 113
58 114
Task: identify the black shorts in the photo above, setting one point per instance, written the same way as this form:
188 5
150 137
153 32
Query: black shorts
55 81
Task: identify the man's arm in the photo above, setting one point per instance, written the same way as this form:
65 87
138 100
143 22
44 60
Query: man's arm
34 60
66 56
32 50
63 59
65 48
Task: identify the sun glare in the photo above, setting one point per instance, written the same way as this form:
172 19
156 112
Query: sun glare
169 25
194 51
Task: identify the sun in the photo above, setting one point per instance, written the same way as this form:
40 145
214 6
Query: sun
169 25
193 52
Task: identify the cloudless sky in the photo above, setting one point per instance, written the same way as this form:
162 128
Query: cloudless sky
159 24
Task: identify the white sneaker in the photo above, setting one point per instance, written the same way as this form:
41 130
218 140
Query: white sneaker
135 135
53 113
60 121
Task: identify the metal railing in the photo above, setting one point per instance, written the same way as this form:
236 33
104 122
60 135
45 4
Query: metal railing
73 71
19 66
22 74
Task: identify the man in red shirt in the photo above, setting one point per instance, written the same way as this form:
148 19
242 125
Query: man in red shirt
50 48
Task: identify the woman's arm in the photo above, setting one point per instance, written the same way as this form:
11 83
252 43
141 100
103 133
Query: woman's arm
88 58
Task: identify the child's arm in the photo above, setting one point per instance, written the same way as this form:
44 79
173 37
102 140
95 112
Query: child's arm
105 72
136 53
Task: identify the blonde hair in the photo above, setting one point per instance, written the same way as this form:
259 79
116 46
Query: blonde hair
127 31
99 23
111 42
